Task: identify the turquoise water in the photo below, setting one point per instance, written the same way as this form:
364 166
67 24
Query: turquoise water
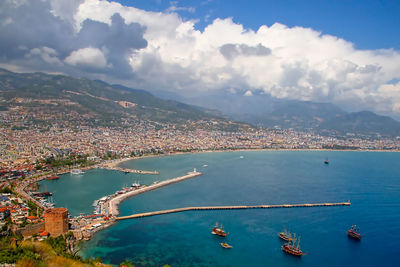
370 180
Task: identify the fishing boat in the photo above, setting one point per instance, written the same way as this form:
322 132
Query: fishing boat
287 236
292 248
226 245
326 161
218 230
353 232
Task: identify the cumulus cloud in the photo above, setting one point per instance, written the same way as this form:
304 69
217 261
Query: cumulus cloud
42 35
87 57
160 50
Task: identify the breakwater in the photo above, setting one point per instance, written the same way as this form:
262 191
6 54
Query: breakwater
160 212
112 204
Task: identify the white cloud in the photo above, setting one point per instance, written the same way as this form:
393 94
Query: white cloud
248 93
48 55
87 57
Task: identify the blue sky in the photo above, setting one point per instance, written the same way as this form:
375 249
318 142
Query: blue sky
369 24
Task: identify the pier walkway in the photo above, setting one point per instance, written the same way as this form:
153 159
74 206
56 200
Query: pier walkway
153 213
112 204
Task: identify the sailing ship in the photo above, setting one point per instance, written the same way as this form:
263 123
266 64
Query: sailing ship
292 248
226 245
353 232
326 161
287 236
218 230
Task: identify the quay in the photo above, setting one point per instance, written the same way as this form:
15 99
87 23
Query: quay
113 203
160 212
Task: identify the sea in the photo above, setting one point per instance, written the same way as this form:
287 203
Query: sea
370 180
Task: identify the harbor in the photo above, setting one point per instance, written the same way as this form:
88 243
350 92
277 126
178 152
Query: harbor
111 206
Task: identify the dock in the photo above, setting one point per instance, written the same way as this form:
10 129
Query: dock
160 212
112 204
126 170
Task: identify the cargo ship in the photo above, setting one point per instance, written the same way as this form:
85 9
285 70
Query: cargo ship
53 177
218 230
353 232
292 248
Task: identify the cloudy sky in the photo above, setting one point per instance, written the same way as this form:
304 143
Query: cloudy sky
325 51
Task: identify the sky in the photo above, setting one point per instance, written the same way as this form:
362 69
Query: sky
343 52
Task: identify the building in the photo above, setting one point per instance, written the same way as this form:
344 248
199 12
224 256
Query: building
56 221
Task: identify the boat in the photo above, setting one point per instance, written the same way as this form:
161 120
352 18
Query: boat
354 233
292 248
218 230
135 185
76 171
326 161
287 236
53 177
42 194
226 245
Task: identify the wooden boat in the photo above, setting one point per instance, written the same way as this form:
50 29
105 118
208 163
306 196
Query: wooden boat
354 233
218 230
292 249
226 245
287 236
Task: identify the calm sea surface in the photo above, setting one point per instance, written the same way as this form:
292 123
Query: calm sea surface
370 180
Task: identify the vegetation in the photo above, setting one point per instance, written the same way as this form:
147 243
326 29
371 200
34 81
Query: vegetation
52 252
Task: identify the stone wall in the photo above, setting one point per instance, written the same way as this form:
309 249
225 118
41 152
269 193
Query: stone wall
30 229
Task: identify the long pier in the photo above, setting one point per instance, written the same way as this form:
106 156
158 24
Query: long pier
160 212
113 203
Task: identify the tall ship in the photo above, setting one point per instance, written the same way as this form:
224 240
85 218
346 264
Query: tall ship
354 232
218 230
292 248
287 236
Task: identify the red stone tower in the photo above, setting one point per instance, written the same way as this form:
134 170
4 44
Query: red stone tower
56 221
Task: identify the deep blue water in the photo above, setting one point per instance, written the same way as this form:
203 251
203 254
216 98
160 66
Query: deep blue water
371 180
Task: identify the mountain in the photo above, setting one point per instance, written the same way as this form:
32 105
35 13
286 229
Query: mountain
325 118
61 97
365 122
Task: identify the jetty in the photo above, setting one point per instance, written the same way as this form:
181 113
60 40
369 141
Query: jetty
160 212
126 170
113 203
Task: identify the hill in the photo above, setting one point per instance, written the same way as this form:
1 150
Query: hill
44 98
364 122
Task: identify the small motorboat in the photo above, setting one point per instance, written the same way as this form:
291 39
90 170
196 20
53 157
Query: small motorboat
226 245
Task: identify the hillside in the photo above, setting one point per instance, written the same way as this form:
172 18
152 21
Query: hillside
365 122
94 102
